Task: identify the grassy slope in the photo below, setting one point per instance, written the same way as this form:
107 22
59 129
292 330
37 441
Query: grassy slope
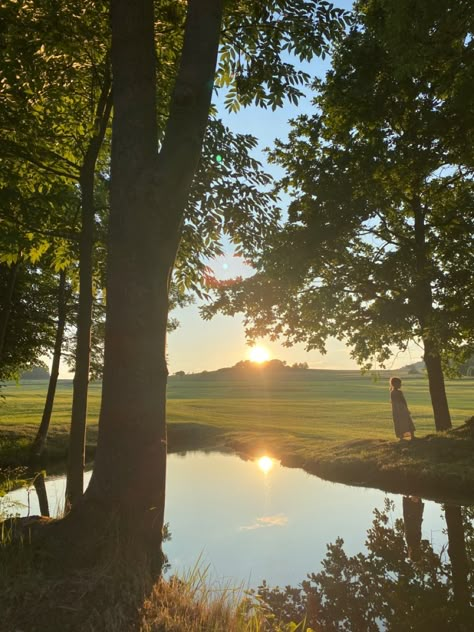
300 417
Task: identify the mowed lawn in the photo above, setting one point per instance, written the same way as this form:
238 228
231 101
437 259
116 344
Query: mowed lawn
324 405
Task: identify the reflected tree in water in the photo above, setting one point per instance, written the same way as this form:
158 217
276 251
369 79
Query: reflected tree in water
399 584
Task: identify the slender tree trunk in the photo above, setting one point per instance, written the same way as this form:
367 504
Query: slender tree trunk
39 443
439 400
424 300
148 197
77 439
457 555
7 306
75 470
42 494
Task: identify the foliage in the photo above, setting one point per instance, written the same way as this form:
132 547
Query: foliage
30 330
377 248
261 40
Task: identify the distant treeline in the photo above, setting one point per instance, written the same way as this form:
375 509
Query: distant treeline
466 368
247 366
35 373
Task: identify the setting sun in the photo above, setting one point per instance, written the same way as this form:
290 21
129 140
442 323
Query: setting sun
259 354
265 463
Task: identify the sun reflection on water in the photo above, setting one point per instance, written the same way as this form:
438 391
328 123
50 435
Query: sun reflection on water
265 463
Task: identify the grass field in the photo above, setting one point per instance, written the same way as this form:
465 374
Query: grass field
333 423
327 405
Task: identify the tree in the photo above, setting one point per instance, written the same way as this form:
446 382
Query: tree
149 194
63 294
57 88
377 249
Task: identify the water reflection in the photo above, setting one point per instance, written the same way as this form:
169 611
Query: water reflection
401 583
247 525
39 483
279 520
413 517
265 463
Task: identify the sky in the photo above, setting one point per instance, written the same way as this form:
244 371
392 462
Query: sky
208 345
199 345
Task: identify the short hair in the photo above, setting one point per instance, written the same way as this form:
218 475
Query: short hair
395 382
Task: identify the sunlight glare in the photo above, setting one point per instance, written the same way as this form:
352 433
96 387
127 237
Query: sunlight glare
259 354
265 463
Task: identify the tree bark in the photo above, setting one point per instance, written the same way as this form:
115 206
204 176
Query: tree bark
148 197
439 400
39 443
77 438
424 303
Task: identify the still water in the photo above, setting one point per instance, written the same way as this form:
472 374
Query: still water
248 520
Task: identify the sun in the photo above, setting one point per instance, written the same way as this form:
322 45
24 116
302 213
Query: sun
265 463
259 354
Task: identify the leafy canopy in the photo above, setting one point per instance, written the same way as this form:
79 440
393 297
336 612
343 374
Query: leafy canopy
377 248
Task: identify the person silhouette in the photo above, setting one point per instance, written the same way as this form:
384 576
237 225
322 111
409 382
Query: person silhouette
412 518
402 421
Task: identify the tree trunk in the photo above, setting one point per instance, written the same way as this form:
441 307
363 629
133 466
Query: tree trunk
75 469
77 438
39 443
457 555
148 197
7 307
424 308
439 400
42 494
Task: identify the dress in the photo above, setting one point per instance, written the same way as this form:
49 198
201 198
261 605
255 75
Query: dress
402 420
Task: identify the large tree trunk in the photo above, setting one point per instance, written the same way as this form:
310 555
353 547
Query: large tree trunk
439 400
39 443
424 308
148 197
76 457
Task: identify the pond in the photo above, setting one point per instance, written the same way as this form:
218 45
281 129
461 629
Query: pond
246 521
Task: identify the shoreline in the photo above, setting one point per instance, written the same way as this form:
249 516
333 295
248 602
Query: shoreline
437 467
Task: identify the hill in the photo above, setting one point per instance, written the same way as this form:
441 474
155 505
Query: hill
35 373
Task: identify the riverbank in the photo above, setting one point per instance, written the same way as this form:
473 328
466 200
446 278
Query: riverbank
439 466
335 424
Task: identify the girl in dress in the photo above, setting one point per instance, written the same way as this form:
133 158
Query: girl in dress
402 421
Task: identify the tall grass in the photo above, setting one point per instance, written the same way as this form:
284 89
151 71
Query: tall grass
194 603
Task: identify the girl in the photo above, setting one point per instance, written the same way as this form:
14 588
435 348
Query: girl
402 420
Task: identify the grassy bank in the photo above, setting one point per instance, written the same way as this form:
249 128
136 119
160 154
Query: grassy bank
332 423
117 595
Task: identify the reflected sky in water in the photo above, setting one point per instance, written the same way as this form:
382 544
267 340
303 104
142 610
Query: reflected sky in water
254 520
248 524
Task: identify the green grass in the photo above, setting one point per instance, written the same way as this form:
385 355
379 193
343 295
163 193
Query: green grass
325 405
334 419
